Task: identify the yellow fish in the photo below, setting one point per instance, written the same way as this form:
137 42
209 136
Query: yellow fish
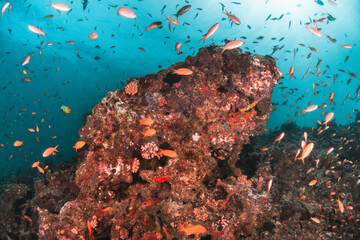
65 109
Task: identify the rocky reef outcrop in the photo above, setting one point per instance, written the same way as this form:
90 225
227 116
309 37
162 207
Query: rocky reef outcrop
179 176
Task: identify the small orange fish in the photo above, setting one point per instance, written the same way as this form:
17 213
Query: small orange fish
313 182
166 233
306 152
190 230
60 7
78 145
35 164
264 149
126 13
106 209
328 118
18 143
173 21
26 60
27 218
36 30
93 35
31 130
40 169
233 18
146 121
346 46
177 48
183 71
167 153
49 151
281 136
4 8
71 42
314 31
149 132
315 220
211 31
153 25
341 205
232 45
65 109
91 236
269 185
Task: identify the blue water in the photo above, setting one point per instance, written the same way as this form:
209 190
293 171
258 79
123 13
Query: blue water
88 80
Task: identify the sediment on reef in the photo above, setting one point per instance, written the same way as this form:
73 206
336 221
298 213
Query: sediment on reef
130 189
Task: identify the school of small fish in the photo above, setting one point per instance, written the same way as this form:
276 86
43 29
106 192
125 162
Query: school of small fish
324 79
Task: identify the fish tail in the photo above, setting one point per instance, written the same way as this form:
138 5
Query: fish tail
203 39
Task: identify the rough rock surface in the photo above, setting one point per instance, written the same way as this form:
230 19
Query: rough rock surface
129 190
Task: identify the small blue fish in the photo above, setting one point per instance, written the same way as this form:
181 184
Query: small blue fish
321 3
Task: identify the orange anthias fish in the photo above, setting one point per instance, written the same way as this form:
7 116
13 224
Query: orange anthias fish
211 31
189 230
173 21
65 109
36 30
49 151
306 152
26 60
183 71
167 153
60 7
4 8
341 205
232 45
278 139
126 13
18 143
314 31
233 18
153 25
149 132
91 236
78 145
146 121
93 35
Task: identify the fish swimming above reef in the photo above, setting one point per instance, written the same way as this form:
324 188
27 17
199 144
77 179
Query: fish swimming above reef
321 3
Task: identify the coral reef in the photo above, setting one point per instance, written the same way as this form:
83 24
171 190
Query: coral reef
156 181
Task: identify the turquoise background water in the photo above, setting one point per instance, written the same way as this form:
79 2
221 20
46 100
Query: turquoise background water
88 80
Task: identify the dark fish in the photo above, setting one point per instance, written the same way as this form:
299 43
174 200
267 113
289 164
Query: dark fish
289 24
331 18
237 3
85 3
281 39
249 27
183 10
222 7
268 18
97 58
163 8
347 58
281 16
321 3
